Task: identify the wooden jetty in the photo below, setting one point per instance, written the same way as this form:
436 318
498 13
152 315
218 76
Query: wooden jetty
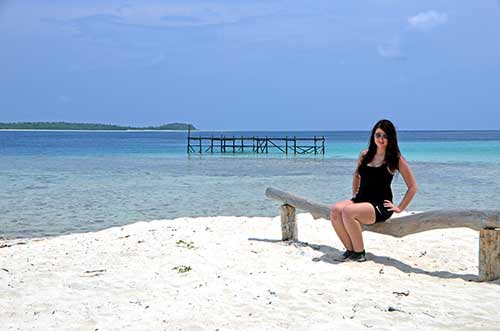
287 145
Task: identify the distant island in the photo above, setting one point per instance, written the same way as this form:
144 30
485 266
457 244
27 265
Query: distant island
88 126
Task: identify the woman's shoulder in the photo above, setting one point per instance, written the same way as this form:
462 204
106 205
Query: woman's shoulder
402 160
361 156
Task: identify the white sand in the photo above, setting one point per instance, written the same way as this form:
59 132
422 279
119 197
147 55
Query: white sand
243 277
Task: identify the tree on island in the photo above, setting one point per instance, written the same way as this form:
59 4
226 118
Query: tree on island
89 126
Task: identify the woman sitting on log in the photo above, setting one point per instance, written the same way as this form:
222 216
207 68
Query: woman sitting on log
371 188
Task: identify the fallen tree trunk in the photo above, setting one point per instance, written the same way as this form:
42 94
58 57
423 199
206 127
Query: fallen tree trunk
405 225
486 222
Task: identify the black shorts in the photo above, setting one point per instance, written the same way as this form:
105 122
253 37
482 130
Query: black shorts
381 212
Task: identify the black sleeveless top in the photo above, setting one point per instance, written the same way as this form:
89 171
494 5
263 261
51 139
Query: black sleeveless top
375 185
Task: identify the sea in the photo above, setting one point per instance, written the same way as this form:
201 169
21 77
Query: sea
59 182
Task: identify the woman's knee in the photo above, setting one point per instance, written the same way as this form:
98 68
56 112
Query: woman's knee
348 212
336 212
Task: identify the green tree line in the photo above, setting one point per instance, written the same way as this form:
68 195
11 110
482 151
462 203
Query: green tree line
89 126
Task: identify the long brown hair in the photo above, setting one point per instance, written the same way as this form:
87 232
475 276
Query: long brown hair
392 153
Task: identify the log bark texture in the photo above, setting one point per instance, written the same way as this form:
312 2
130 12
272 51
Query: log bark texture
289 229
401 226
489 254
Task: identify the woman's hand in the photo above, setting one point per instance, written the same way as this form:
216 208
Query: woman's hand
391 207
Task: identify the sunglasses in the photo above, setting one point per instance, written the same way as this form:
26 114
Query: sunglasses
379 135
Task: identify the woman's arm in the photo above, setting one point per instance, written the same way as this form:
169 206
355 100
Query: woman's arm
356 177
411 184
355 184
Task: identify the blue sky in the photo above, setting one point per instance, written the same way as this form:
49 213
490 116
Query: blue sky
253 65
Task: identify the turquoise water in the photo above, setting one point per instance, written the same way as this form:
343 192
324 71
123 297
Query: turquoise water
61 182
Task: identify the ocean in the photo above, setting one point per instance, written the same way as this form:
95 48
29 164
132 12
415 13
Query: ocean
58 182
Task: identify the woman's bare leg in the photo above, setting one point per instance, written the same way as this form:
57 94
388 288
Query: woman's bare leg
353 216
338 224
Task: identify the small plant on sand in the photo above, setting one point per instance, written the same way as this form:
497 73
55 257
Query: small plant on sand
182 268
186 244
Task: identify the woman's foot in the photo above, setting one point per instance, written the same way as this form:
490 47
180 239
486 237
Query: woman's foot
357 256
345 256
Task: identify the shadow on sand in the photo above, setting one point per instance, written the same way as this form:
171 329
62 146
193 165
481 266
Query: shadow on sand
330 255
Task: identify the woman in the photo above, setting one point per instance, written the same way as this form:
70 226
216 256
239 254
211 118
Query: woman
371 190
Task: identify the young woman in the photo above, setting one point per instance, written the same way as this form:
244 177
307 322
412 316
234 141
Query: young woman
371 190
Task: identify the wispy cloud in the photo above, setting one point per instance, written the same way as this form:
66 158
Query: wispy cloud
157 59
428 20
181 19
164 16
391 50
63 99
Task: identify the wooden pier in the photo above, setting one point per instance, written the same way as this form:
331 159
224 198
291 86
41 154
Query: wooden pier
259 145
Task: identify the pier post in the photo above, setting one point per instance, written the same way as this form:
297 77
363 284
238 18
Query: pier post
189 139
286 145
294 145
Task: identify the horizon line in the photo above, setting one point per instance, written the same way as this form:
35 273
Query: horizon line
246 130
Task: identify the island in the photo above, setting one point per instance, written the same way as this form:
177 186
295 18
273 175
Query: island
88 126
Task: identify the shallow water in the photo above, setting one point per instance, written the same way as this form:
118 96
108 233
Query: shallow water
53 183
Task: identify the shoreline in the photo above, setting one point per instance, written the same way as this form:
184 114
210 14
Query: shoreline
276 131
235 273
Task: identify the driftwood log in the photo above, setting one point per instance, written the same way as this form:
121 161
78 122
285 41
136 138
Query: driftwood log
289 229
485 221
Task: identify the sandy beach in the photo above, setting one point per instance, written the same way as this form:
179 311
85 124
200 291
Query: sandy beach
234 273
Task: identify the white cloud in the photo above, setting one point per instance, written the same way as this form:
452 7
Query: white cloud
428 20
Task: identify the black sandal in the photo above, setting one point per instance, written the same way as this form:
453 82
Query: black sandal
345 256
358 256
